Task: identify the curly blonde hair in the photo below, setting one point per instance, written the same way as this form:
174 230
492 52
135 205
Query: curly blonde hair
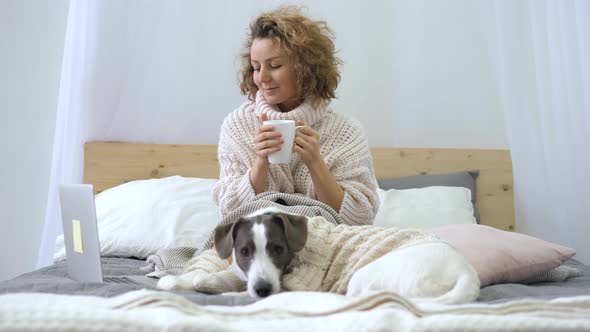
308 43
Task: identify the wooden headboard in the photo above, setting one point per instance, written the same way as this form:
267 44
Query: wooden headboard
108 164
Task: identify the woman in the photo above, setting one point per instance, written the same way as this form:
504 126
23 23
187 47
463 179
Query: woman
290 71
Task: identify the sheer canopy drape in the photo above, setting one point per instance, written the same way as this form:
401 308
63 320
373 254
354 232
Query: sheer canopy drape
71 127
543 70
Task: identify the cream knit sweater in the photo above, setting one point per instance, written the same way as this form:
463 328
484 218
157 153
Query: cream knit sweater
332 254
344 148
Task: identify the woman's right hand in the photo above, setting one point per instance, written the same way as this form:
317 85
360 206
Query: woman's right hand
266 140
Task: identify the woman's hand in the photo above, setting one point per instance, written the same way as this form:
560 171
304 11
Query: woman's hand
307 144
266 140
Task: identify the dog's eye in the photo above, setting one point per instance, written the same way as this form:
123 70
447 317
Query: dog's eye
244 251
278 250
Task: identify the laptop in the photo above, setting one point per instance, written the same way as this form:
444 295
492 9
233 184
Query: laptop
81 238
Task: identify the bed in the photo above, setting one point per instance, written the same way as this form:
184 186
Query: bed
111 164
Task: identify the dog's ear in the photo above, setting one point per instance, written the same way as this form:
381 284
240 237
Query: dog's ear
224 238
295 228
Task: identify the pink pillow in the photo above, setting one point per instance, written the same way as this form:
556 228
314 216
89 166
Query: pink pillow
501 256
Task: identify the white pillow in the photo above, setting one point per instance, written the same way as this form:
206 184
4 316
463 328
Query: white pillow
424 207
139 217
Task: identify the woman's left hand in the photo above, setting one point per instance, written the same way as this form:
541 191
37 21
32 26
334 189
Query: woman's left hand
307 143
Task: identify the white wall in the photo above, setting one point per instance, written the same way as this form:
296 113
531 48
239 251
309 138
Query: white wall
418 75
413 77
31 47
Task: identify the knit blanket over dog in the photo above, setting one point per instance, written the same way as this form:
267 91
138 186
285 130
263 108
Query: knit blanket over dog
173 261
332 254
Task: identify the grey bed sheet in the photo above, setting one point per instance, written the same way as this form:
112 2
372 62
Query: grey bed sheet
53 279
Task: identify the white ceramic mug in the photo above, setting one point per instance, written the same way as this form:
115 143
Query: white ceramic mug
287 129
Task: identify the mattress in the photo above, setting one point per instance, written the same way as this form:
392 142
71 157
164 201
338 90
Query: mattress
54 279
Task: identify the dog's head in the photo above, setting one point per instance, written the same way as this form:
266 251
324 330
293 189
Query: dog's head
262 245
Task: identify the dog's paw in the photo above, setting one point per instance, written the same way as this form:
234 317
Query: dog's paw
218 282
167 283
200 282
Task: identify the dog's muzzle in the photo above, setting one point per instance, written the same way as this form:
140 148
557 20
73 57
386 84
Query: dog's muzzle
263 288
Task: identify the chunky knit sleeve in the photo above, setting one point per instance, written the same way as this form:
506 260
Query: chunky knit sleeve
235 154
350 161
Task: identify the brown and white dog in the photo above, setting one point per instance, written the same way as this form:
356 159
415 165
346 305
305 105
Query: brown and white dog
261 246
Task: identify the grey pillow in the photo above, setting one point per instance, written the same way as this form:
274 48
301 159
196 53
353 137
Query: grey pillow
460 179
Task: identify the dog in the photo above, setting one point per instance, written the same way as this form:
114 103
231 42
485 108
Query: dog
262 245
259 246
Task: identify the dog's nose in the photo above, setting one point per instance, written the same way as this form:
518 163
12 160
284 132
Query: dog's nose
263 288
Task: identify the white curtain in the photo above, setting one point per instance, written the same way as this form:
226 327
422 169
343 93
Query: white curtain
71 127
543 58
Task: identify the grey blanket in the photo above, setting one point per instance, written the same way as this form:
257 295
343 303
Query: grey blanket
54 279
172 260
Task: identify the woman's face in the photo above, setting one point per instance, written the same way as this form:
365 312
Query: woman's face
274 74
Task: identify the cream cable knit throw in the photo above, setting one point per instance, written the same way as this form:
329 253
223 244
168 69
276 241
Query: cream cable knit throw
327 262
148 311
344 148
